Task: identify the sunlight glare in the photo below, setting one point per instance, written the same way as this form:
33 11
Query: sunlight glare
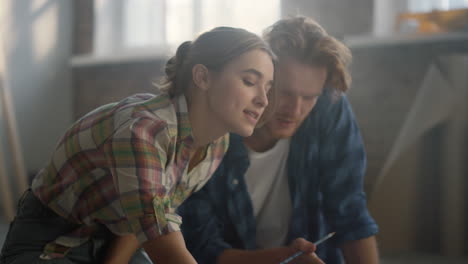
45 30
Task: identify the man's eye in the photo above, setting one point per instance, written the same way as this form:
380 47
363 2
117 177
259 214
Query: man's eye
248 83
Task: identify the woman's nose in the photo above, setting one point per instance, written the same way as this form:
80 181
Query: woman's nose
261 100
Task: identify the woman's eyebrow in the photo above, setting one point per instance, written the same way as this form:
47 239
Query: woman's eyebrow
253 71
257 73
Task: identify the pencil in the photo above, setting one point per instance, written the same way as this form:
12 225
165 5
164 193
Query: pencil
297 254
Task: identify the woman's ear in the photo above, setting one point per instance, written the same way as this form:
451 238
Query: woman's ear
201 76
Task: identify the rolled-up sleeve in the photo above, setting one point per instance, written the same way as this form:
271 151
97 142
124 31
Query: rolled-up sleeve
138 153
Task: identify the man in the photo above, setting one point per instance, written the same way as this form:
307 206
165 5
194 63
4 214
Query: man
298 177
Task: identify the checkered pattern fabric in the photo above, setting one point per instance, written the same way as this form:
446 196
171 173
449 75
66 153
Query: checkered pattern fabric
124 166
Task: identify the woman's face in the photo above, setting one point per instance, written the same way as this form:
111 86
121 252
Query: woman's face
237 96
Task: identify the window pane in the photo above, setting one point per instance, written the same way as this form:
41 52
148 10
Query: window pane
254 16
104 29
144 23
179 21
458 4
130 24
429 5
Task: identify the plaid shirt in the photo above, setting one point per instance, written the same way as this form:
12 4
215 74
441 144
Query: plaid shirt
124 165
325 167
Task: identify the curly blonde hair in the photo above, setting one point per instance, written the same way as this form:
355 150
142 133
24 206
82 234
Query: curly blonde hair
303 39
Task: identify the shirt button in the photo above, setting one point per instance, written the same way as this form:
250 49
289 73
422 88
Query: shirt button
235 182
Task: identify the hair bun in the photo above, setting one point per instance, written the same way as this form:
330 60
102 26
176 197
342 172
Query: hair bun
175 62
183 50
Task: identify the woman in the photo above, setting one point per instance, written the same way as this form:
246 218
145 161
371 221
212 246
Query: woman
126 166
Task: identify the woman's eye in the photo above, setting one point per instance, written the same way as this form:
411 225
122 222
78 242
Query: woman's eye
248 83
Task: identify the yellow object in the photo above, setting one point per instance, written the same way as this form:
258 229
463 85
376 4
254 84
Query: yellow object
435 21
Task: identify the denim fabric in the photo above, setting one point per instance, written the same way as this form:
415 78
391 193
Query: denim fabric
35 225
326 166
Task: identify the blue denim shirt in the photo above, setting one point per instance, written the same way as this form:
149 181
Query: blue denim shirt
326 166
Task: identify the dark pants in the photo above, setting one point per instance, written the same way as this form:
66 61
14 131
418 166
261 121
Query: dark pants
35 225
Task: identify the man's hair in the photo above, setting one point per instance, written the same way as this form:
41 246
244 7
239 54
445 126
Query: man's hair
303 39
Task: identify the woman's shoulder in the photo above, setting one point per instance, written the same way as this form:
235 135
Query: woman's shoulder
151 113
143 106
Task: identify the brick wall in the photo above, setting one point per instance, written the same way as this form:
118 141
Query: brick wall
101 84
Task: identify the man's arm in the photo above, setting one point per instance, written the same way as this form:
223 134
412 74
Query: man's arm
201 226
343 164
362 251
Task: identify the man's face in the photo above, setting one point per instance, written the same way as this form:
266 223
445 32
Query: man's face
299 86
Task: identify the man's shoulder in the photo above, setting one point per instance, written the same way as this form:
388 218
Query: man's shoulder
331 107
328 118
330 100
237 149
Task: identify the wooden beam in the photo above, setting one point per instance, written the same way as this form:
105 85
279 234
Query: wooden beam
8 119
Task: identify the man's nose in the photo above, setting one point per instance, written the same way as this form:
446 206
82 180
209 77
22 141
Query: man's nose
294 105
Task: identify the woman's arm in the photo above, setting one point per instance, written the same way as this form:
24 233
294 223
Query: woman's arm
121 249
168 249
165 249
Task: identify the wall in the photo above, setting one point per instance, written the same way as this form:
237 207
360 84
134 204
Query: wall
99 84
339 17
385 13
37 38
407 203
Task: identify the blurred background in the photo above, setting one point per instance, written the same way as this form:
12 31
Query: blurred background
61 58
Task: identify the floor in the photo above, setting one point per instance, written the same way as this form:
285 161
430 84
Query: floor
422 258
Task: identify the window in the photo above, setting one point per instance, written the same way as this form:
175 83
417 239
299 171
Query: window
386 12
429 5
127 25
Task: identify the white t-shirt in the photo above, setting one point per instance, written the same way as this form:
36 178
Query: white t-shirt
267 183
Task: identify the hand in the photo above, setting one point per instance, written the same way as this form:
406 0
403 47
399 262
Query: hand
308 257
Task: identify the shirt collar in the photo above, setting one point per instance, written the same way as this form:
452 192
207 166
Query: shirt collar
183 122
237 147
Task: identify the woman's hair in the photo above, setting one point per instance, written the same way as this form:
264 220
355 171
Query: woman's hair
304 40
214 49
